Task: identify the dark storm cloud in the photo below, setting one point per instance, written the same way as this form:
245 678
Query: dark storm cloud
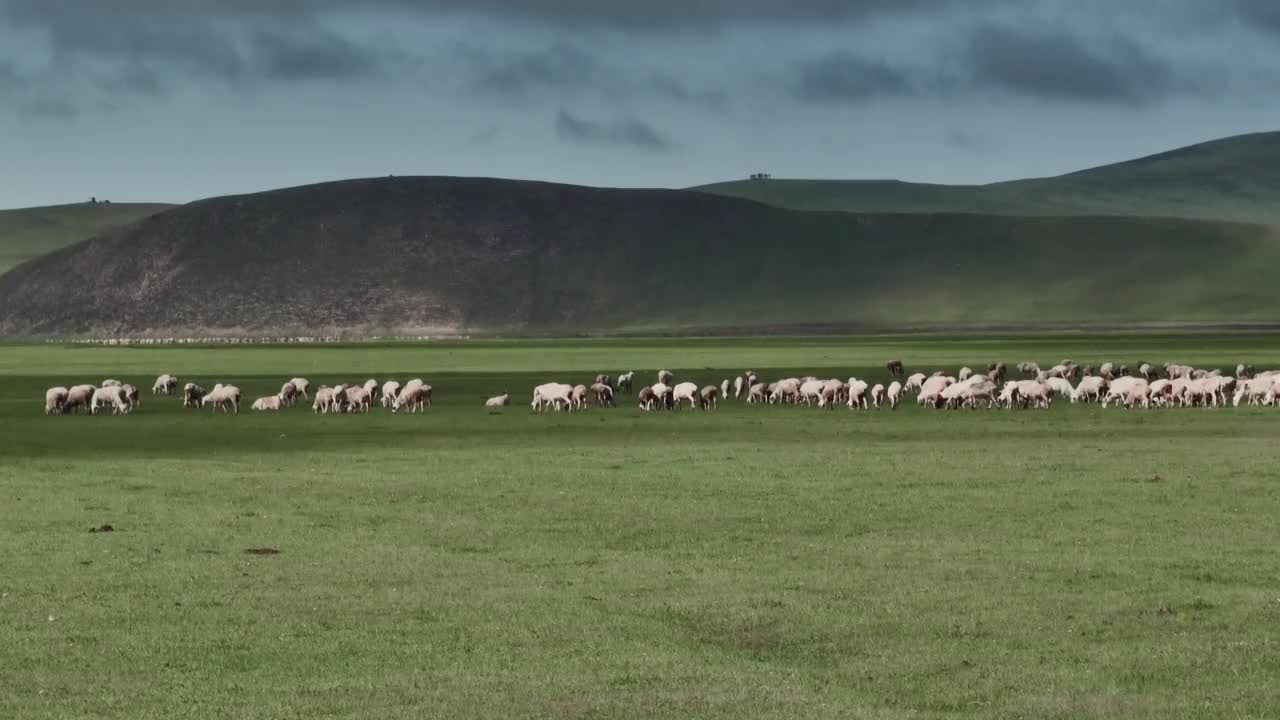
1058 65
563 68
630 132
845 77
312 56
656 14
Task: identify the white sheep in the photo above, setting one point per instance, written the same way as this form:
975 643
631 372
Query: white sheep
877 395
665 377
390 389
498 401
551 394
271 402
109 396
302 384
857 394
223 396
685 391
164 385
55 399
894 394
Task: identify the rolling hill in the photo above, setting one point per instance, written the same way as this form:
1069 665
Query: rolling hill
440 254
32 232
1235 178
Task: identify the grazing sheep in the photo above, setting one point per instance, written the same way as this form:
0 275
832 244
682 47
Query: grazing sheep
78 398
498 401
288 395
787 390
1061 386
685 391
724 388
55 399
647 399
223 396
755 394
390 389
604 395
131 396
371 388
965 374
1244 372
604 379
1029 368
877 395
357 399
915 382
811 392
625 380
192 394
111 383
707 396
665 377
1090 389
302 384
739 385
553 395
895 369
324 400
857 394
833 392
411 396
894 394
997 372
272 402
109 395
1032 393
164 385
1147 372
578 397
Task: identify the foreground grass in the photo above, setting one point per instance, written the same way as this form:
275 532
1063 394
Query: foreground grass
747 563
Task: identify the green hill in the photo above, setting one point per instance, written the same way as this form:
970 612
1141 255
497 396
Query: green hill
31 232
477 255
1236 178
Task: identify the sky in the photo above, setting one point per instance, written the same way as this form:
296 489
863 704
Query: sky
175 100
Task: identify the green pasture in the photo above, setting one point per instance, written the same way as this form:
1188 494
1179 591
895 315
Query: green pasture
752 562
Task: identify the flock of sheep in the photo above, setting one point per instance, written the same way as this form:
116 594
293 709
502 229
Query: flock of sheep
1170 386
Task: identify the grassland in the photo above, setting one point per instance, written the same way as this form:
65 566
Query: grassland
749 563
1233 179
31 232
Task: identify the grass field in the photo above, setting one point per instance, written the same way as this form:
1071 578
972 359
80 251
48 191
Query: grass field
754 562
31 232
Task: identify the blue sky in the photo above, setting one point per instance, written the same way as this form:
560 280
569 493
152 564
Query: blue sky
174 100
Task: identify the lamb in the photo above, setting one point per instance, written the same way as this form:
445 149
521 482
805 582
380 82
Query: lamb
685 391
498 401
604 395
578 397
302 384
877 395
164 385
895 369
915 382
390 389
55 399
894 394
288 395
109 395
192 394
625 380
707 397
222 396
271 402
665 377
